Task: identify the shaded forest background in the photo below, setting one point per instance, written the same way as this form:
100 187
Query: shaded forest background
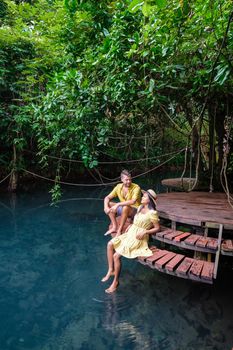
101 82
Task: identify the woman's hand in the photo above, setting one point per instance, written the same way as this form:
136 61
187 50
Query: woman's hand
141 235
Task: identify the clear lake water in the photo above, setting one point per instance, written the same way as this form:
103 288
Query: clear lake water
51 262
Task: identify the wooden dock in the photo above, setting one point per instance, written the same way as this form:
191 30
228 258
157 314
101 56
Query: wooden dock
200 209
179 265
196 208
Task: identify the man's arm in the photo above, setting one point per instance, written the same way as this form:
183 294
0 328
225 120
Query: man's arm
107 199
129 202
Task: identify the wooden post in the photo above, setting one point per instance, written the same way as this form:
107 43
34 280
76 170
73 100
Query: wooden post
218 250
173 225
206 230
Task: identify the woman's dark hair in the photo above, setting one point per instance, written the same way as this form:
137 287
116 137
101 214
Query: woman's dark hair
151 204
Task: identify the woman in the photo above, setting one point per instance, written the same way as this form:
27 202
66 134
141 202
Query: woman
134 242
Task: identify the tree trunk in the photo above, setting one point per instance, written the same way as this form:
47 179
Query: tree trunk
12 187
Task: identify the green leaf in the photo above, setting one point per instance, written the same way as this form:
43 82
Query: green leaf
146 9
152 84
135 5
222 74
161 3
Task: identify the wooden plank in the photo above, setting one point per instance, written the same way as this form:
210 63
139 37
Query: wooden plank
157 255
172 264
183 268
207 271
191 240
182 236
172 235
196 268
162 261
164 232
212 243
142 259
202 242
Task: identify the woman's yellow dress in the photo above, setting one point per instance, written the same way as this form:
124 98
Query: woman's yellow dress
128 245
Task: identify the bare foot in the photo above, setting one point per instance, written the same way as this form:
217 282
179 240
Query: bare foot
109 274
109 232
112 288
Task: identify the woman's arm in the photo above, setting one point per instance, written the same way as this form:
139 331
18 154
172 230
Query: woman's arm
151 231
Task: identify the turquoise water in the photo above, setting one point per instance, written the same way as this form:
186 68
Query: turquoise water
52 260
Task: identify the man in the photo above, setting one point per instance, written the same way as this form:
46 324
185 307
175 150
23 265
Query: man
129 195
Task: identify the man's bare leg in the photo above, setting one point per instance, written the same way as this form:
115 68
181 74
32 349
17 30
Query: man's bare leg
115 282
112 217
110 251
126 212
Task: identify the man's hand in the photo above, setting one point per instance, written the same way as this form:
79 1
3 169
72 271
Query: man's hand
107 210
113 209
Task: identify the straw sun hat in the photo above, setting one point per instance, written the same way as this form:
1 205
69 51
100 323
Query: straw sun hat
151 194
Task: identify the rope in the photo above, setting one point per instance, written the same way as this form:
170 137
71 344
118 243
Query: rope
70 183
212 156
213 67
172 121
226 188
6 177
128 136
146 172
185 166
113 162
190 167
200 117
198 158
99 184
224 167
106 178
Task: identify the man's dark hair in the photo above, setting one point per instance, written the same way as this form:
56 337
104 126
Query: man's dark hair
125 173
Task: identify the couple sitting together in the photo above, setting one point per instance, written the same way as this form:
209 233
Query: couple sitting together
134 242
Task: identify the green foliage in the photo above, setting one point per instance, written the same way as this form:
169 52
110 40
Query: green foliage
83 78
56 193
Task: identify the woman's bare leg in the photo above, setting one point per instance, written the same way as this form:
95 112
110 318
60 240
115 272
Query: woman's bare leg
117 266
110 251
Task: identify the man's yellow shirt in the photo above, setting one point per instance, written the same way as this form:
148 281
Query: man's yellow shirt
134 192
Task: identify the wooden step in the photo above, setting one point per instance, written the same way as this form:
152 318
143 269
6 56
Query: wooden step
179 265
174 262
187 240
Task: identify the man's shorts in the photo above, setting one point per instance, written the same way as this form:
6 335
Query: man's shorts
119 211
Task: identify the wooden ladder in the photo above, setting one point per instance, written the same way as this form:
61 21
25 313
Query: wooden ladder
183 266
